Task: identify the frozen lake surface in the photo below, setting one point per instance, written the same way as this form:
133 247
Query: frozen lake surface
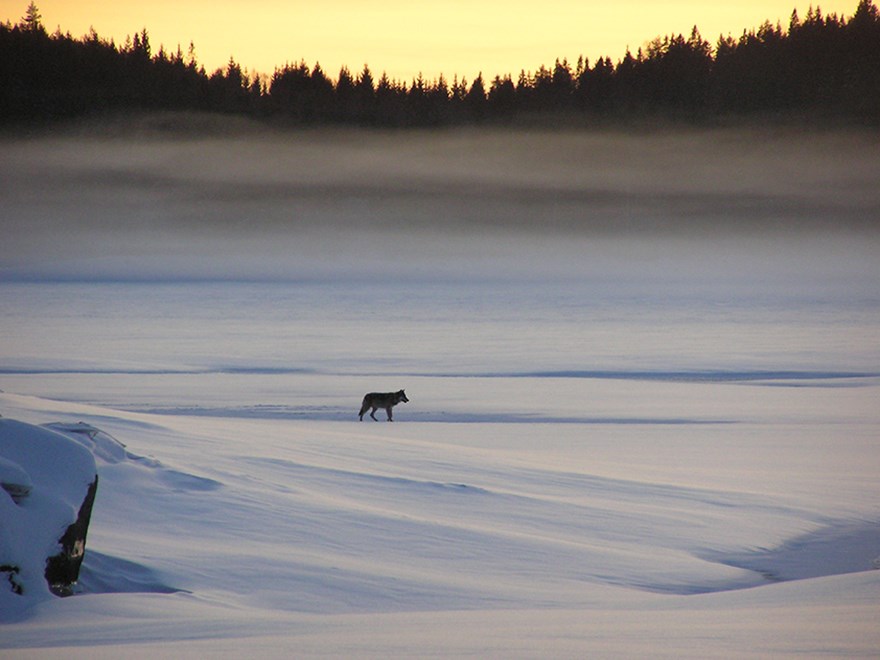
569 451
650 435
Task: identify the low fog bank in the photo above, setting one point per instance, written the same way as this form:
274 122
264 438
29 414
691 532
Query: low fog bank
250 202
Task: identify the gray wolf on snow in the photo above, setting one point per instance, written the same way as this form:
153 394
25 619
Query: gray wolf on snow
387 400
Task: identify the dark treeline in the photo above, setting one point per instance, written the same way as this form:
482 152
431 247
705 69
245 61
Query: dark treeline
819 66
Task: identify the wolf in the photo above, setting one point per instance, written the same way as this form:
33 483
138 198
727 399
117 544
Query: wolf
387 400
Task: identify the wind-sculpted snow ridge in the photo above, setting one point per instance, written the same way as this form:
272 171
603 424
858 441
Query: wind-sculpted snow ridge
819 378
553 528
837 548
109 450
104 447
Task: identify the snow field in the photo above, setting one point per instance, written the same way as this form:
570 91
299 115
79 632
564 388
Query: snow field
600 533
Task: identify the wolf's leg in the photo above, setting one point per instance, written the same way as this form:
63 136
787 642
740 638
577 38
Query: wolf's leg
388 410
361 413
372 414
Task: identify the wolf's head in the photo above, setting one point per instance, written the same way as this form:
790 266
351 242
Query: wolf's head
401 396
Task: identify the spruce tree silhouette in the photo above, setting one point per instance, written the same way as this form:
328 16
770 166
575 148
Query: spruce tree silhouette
33 20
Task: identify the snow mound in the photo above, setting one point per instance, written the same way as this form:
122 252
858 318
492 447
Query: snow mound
46 478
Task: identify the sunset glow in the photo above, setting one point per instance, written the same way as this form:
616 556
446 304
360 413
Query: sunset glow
405 38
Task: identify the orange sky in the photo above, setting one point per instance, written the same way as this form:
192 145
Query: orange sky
405 37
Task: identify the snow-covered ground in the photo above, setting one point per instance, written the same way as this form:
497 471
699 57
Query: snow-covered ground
530 499
613 447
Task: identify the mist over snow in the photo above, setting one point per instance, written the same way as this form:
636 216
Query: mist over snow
642 370
242 202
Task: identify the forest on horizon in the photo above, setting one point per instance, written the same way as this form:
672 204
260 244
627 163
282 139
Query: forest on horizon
817 68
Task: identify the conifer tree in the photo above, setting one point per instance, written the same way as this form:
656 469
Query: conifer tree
33 21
